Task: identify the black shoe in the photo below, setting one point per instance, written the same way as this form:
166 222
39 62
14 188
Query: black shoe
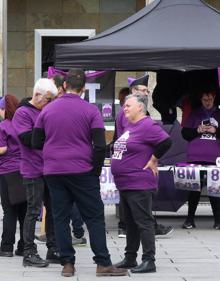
162 231
144 267
41 238
53 256
125 263
216 226
6 254
19 252
34 260
188 224
121 233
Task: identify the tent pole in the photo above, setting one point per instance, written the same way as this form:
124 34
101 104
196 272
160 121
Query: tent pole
148 2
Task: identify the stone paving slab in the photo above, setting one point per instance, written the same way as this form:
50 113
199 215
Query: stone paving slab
189 255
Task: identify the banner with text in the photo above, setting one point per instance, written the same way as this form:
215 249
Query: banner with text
213 181
109 193
100 90
187 178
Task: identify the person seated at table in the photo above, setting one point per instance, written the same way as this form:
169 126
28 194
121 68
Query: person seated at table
134 166
202 132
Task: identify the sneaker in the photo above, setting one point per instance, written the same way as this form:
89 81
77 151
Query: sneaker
41 238
19 252
121 233
216 226
34 260
188 224
79 241
53 256
6 254
162 231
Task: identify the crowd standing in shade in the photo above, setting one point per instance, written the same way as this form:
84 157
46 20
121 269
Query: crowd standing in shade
81 151
139 85
13 197
202 132
31 168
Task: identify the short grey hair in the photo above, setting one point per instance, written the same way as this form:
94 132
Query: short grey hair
45 85
141 98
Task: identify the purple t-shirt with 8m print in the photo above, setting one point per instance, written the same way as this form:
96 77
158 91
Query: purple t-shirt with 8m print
67 123
132 151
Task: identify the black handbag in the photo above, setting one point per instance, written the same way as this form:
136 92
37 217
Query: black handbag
16 188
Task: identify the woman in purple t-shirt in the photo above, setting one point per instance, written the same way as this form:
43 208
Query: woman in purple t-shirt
134 166
13 197
202 131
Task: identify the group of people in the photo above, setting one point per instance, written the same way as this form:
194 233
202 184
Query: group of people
53 145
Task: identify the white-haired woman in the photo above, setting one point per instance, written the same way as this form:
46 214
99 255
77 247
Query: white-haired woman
134 166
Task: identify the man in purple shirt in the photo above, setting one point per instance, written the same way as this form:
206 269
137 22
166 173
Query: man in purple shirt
71 133
31 168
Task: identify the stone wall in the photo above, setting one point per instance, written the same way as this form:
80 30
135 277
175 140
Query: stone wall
2 45
26 15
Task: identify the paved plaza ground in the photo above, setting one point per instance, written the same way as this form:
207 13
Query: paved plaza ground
188 255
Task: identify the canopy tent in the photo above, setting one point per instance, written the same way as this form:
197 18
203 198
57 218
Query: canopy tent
166 34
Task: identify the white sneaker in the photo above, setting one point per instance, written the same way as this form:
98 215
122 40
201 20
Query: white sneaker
121 233
79 241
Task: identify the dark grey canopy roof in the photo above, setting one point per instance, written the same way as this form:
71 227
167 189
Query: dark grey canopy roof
167 34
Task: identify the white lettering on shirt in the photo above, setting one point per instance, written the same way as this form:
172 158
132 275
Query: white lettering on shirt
120 146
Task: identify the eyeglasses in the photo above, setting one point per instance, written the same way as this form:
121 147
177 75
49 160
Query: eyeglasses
145 90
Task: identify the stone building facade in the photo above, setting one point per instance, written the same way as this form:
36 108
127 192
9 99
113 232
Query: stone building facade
19 19
24 16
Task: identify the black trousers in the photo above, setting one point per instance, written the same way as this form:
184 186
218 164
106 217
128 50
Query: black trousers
85 191
11 214
193 201
194 197
37 194
140 223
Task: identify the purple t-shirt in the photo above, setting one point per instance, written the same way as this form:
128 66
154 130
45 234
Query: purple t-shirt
31 159
206 147
132 151
121 122
67 123
10 161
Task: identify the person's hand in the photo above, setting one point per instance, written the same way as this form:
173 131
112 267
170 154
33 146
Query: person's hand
210 129
153 165
202 129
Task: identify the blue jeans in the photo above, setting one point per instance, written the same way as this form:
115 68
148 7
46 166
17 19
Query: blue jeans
77 222
83 189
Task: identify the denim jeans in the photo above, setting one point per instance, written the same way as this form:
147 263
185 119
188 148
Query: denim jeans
37 193
85 191
77 222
